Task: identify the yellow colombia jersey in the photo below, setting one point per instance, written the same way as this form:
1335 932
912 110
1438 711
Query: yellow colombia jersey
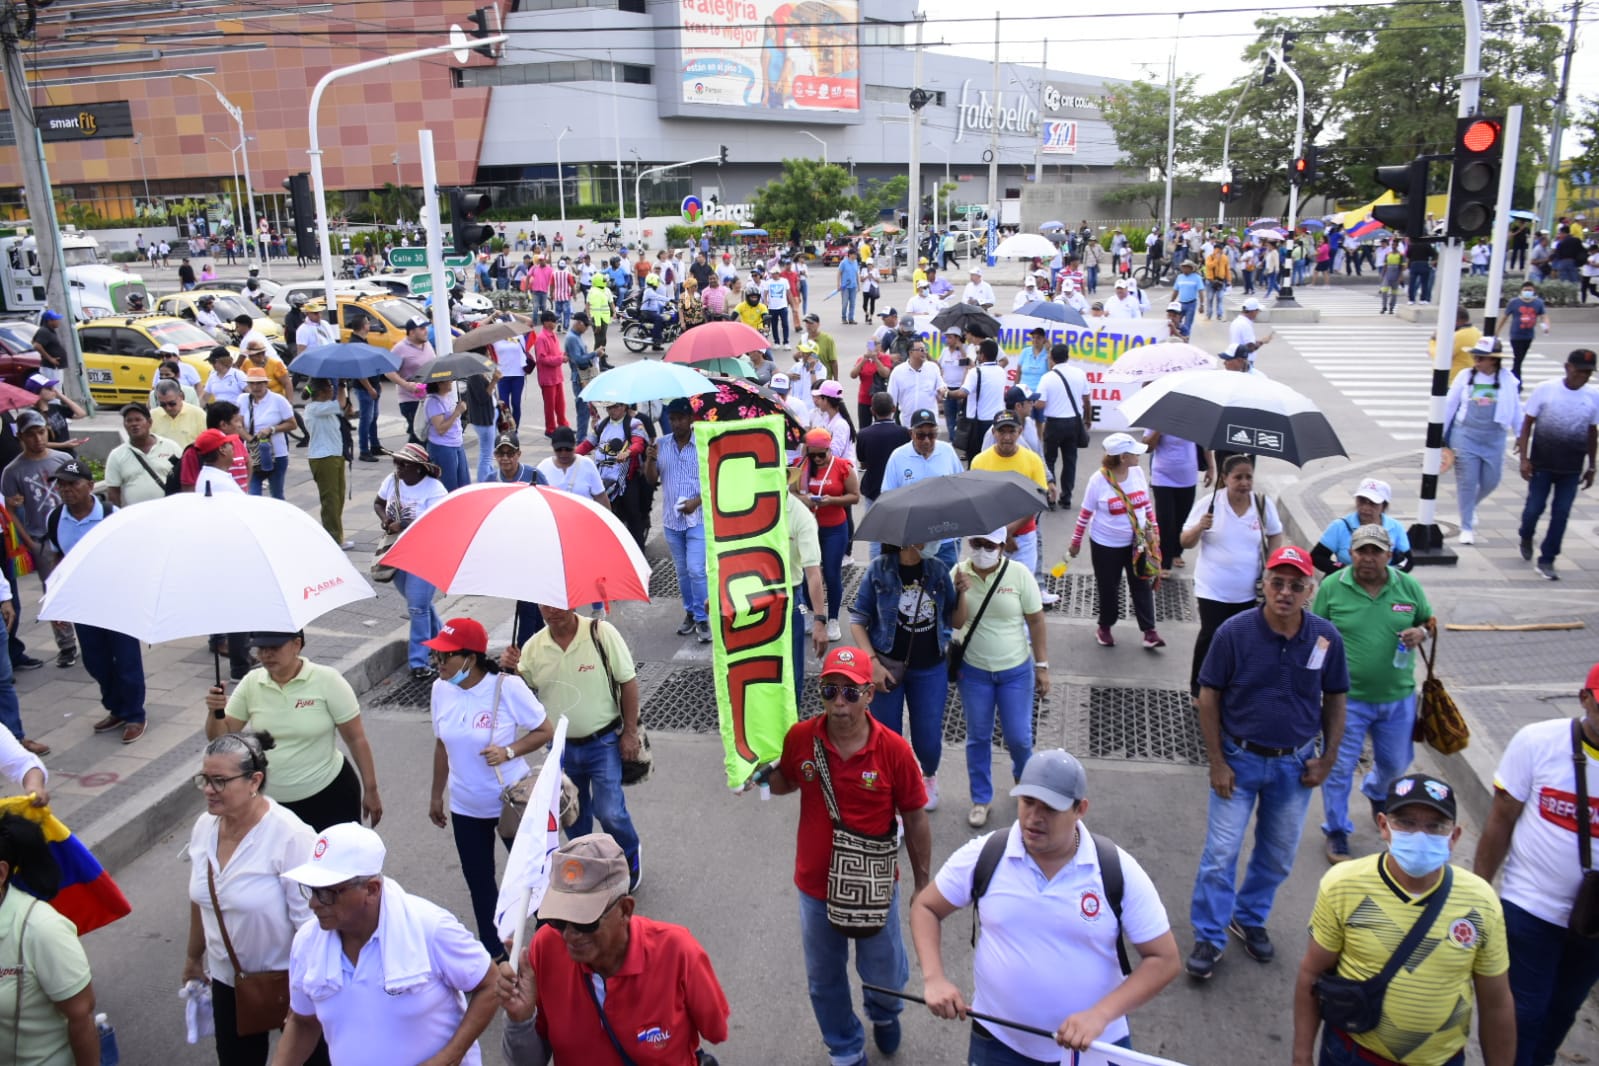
1362 914
752 315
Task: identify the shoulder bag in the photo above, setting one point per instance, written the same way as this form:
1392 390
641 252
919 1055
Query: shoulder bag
261 1000
895 668
1356 1006
1439 722
16 1012
376 570
962 437
514 797
1082 423
1146 550
1584 921
955 657
1260 581
633 770
860 870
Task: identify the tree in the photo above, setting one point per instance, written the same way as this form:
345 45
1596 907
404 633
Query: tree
1138 114
879 196
808 192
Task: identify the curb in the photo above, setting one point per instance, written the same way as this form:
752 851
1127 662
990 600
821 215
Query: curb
118 839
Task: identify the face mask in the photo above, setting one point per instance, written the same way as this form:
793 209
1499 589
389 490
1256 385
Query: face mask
460 677
985 558
1526 294
1419 854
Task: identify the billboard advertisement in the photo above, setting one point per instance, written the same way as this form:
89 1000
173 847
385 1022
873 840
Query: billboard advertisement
771 55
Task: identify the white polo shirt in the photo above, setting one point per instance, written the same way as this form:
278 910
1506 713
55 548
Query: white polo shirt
1241 331
914 389
1034 925
363 1024
1059 386
465 721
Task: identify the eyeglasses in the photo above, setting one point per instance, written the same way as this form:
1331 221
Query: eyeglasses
559 450
1278 584
561 925
925 434
330 895
205 782
1432 829
850 693
441 657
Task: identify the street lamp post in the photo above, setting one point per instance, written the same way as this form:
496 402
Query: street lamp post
244 146
233 159
819 141
638 214
560 173
936 192
138 142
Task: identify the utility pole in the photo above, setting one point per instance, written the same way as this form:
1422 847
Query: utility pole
1227 144
1171 131
1038 148
1557 128
616 131
993 150
1501 232
41 202
1285 291
433 235
913 217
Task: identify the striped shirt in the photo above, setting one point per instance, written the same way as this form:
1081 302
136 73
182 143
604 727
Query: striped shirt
679 467
561 285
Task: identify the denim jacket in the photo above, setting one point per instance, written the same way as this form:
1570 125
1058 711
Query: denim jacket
877 603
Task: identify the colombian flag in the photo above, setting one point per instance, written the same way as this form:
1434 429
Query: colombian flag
88 896
1364 228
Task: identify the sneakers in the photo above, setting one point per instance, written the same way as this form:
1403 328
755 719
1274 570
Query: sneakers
930 783
1526 548
886 1036
26 662
834 635
635 876
422 673
1337 847
1152 640
702 632
1203 959
68 657
1546 570
347 545
1257 945
687 626
1048 597
978 816
1102 634
1467 537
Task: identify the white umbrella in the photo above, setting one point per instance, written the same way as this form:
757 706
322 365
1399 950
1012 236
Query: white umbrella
134 573
1026 246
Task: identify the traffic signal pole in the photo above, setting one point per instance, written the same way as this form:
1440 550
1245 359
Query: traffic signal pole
443 341
1227 145
1501 233
1285 291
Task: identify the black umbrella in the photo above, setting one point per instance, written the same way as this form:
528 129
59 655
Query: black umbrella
1235 412
966 317
967 504
455 368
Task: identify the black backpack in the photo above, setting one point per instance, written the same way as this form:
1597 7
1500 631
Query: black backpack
52 521
1110 875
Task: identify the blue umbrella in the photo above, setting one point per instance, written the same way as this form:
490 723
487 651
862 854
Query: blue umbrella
1262 222
351 360
1054 312
749 233
1051 225
1313 223
1528 216
645 380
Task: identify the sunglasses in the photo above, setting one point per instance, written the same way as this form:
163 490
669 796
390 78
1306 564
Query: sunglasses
851 693
561 925
327 897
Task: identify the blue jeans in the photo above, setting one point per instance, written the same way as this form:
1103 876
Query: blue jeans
114 661
10 709
925 690
1551 972
563 311
835 543
1477 472
424 619
510 393
805 296
952 414
474 846
688 558
777 323
879 960
596 769
1420 281
799 642
1010 693
541 301
847 301
1273 281
1092 279
984 1050
1565 490
367 430
454 471
485 451
582 409
1213 297
1390 726
408 416
1334 1052
1189 309
1273 784
273 480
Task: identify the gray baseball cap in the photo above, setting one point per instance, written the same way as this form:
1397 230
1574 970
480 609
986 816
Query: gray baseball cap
1054 777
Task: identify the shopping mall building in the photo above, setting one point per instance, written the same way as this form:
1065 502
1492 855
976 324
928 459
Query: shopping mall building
605 87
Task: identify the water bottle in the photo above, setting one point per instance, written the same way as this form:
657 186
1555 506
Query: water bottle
1402 655
109 1055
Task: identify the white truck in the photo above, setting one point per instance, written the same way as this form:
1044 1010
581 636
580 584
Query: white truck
98 289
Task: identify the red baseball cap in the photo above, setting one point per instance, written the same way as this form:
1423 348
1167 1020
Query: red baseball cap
1592 684
1291 555
853 663
461 634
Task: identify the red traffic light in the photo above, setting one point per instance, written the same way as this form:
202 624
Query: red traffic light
1299 165
1481 135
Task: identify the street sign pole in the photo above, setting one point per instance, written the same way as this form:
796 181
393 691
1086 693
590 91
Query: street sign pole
435 246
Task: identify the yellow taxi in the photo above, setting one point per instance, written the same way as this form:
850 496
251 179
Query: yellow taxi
387 313
120 357
226 305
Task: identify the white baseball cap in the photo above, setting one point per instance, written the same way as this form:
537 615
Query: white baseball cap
1121 283
1124 444
342 853
1174 306
1251 304
1375 491
779 383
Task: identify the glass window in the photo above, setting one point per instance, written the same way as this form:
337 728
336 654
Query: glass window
636 75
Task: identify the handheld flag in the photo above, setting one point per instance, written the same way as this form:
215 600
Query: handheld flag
88 896
527 871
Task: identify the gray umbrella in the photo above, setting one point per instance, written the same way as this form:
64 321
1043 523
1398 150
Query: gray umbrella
967 504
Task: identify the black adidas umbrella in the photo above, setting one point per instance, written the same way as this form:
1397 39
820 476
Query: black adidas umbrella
967 504
1235 412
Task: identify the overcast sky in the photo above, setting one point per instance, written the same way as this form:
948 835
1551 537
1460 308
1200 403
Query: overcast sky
1124 43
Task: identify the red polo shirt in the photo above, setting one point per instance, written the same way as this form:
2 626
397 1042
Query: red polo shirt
662 1001
876 783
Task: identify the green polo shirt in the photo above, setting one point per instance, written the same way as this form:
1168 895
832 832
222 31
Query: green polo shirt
572 681
303 717
1370 627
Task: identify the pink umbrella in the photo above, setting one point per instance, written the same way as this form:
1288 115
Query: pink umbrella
525 542
716 340
1154 360
15 399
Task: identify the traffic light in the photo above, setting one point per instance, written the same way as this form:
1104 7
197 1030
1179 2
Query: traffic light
465 207
1269 74
1474 181
302 213
480 23
724 154
1289 40
1409 181
1232 190
1302 170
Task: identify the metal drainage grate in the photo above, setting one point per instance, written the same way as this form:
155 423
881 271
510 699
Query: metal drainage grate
1079 598
1136 724
685 701
400 690
663 581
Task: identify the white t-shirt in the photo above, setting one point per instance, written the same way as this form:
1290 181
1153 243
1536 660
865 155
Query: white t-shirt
262 910
1229 551
1123 307
313 334
1242 331
991 401
1025 297
229 386
774 294
1057 396
1110 525
1542 872
461 719
414 500
978 292
220 481
582 478
1064 925
511 358
260 415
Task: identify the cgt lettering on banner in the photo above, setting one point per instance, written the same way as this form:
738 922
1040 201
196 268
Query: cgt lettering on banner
747 571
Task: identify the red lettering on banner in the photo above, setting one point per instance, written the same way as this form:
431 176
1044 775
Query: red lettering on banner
1559 807
768 608
759 446
759 670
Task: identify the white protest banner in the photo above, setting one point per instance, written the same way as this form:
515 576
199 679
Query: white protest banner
1099 1054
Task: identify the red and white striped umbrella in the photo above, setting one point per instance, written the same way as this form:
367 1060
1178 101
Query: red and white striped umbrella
525 542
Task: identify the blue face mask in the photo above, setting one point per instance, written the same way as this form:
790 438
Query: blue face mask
460 677
1419 854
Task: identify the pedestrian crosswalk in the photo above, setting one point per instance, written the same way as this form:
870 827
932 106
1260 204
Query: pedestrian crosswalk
1382 367
1333 301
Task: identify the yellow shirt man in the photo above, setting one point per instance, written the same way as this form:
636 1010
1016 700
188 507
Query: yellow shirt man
752 315
180 428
